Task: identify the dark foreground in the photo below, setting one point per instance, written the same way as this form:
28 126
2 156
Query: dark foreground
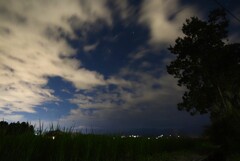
78 147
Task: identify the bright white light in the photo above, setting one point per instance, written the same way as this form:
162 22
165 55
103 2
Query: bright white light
133 136
160 136
53 137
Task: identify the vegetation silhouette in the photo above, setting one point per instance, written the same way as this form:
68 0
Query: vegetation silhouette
16 128
61 144
208 65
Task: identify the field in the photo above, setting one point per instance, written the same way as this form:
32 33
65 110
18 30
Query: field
89 147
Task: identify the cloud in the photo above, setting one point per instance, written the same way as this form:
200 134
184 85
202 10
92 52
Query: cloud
144 95
132 98
11 118
164 19
33 48
234 35
145 64
124 8
148 102
66 91
117 80
89 48
140 53
45 109
147 88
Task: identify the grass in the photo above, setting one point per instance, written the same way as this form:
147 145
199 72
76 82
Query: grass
70 146
82 147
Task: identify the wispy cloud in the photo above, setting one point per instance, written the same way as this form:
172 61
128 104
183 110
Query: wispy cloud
66 91
144 93
33 48
140 53
91 47
124 9
12 117
164 19
234 35
145 64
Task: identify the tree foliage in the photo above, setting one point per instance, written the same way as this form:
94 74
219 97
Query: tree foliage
15 128
209 67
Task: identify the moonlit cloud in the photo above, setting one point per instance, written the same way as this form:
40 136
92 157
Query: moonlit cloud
91 47
11 117
46 73
141 52
234 37
145 64
124 8
142 94
33 48
148 101
164 19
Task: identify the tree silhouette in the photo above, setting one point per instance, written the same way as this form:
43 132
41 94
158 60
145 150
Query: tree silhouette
3 127
209 67
15 128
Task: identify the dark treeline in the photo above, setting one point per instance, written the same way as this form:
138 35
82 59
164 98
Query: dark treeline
15 128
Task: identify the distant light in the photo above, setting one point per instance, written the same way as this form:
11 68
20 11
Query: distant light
148 138
160 136
178 136
53 137
123 136
133 136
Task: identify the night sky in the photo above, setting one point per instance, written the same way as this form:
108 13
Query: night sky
97 64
